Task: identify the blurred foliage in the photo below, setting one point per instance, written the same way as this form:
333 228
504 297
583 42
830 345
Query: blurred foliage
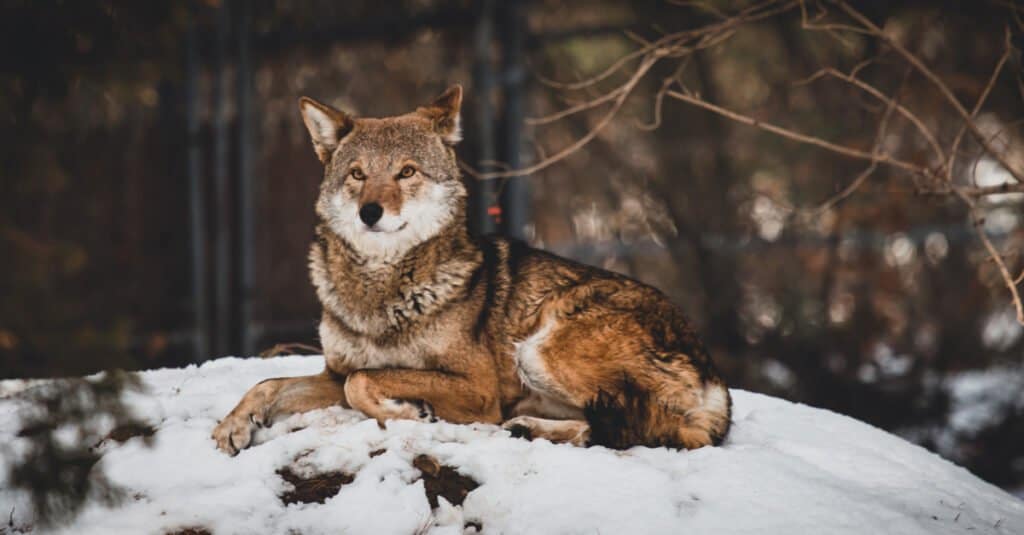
62 422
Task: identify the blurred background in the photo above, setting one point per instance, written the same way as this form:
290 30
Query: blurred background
157 183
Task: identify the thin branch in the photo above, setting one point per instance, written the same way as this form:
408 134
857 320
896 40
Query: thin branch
672 42
707 42
883 126
627 89
1004 272
612 69
583 106
831 29
978 191
798 137
659 100
846 192
978 222
873 91
977 107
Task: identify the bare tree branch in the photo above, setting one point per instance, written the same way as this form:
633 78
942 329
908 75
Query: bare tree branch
798 137
873 91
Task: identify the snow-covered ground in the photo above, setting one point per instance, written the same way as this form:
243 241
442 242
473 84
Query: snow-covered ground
785 468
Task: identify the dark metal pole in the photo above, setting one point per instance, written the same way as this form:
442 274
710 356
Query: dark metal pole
197 205
486 206
222 255
246 185
516 194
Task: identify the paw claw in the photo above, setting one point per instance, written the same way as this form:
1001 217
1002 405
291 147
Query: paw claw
520 431
519 427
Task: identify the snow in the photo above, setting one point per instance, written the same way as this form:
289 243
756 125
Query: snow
981 398
785 468
980 402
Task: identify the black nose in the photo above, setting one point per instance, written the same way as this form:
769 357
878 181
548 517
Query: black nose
370 213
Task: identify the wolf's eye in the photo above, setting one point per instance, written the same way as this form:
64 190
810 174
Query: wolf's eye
407 172
357 173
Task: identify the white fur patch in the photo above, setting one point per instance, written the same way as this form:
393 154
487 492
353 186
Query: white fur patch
716 399
530 364
421 218
455 135
404 410
356 353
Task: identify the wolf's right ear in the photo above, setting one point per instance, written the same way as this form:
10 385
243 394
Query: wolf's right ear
326 126
444 112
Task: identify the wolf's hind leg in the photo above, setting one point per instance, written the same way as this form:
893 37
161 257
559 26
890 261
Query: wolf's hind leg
272 399
575 432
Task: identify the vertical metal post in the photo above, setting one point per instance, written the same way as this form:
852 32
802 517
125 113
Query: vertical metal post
484 216
222 251
197 205
516 195
246 185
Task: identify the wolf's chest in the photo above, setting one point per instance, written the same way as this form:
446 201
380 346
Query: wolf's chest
345 352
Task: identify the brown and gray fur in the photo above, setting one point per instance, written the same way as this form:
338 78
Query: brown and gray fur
422 321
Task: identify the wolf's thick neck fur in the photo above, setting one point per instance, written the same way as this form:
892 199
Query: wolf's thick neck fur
380 298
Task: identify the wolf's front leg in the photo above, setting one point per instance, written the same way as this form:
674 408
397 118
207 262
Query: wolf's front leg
388 394
274 398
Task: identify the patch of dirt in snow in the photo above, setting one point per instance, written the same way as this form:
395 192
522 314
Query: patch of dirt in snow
36 429
314 489
191 531
125 432
441 480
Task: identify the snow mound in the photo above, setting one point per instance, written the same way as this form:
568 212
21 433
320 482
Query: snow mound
785 468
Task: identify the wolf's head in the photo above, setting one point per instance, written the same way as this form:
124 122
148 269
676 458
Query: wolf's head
391 183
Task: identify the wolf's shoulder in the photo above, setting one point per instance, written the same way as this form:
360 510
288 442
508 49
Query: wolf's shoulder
519 259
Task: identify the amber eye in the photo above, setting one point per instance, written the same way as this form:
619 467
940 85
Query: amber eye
407 172
357 173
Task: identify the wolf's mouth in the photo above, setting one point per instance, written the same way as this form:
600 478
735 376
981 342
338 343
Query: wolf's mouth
383 231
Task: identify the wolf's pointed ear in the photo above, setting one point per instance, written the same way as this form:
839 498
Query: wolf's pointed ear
444 111
326 126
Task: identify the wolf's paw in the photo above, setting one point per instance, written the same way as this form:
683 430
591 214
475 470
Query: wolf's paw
234 432
575 432
519 427
409 409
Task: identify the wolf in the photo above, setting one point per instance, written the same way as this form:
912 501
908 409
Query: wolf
423 321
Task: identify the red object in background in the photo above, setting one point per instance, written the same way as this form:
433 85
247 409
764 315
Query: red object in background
495 212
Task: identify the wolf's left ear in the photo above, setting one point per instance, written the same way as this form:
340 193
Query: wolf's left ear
444 111
326 126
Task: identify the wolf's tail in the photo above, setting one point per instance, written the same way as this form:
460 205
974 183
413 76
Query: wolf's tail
632 417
